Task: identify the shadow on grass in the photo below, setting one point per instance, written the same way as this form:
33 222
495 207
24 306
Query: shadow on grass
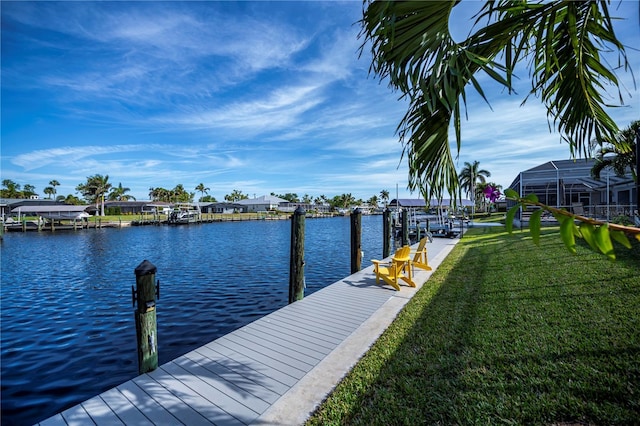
505 332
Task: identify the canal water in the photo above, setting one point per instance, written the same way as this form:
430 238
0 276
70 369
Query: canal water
67 320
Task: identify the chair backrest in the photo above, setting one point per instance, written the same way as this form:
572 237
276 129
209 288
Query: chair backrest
419 251
402 254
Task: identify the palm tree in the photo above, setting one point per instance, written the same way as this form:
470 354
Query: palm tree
71 199
560 42
28 190
469 177
384 196
347 200
373 201
53 183
94 190
236 195
49 190
119 193
11 189
202 189
619 153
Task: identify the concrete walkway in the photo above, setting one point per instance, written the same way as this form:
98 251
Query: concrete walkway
273 371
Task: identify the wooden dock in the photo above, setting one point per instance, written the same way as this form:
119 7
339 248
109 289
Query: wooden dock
275 370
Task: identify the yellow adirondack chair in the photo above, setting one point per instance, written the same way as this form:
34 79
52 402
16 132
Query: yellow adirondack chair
420 256
394 271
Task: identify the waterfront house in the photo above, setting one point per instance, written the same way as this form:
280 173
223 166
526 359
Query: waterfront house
261 204
131 207
568 184
221 208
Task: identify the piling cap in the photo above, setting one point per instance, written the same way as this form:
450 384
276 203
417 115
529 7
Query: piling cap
145 268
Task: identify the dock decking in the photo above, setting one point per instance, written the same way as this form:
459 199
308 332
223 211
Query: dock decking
275 370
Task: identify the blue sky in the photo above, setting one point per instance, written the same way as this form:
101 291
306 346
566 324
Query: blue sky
259 97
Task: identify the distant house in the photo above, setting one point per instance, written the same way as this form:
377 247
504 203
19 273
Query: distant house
291 207
221 208
568 184
261 204
133 207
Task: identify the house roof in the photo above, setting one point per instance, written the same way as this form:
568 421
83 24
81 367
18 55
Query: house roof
14 202
408 202
419 202
265 199
569 173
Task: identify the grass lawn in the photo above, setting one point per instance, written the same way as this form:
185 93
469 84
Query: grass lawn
506 332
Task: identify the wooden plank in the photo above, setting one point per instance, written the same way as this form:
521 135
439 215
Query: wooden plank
316 324
356 300
146 404
100 412
77 416
310 324
292 336
319 336
274 363
177 406
289 357
335 318
360 294
310 339
208 397
332 319
281 345
270 378
126 411
248 385
56 420
356 312
275 340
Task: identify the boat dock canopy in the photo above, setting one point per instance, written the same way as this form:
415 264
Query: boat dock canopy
60 211
408 202
420 203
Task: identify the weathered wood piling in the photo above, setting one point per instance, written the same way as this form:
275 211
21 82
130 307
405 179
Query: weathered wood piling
296 258
145 315
356 240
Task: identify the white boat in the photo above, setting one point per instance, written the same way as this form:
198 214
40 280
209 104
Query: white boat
184 214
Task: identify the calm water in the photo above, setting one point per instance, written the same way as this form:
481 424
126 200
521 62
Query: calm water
68 330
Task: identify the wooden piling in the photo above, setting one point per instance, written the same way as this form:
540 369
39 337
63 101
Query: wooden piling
296 260
145 315
405 227
356 240
386 233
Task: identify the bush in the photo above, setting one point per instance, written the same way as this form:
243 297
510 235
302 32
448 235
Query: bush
113 211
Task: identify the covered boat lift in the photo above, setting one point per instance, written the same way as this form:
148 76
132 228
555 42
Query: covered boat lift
52 213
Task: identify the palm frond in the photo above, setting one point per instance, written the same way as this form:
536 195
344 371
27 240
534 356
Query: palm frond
413 48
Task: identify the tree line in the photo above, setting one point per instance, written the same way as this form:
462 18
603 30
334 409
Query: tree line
97 189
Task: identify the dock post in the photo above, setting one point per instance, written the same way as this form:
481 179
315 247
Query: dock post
405 227
145 315
356 240
386 233
296 261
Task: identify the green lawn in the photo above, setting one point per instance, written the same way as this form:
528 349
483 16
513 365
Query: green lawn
506 332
